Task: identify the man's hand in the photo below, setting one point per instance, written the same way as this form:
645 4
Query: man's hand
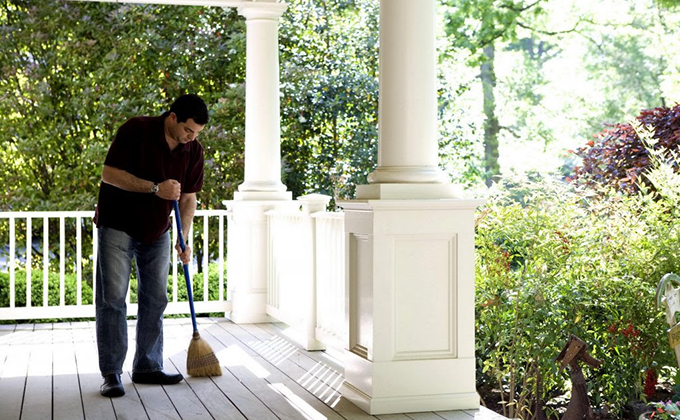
185 256
169 190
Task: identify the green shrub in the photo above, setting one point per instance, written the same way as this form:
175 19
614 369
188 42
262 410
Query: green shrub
70 287
554 261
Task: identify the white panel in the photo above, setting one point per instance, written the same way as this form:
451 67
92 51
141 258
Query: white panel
424 304
361 295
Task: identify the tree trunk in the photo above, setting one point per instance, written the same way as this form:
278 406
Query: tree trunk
491 127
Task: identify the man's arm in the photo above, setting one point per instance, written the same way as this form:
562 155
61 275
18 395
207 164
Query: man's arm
167 190
187 208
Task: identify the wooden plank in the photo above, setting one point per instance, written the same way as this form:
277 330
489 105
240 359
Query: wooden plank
314 367
153 398
242 380
484 413
239 396
5 337
156 402
186 402
423 416
322 391
394 417
66 400
129 406
455 415
317 363
13 379
215 401
294 395
94 405
242 398
230 352
39 379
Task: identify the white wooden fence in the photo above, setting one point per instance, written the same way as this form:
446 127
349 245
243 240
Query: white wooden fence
306 268
79 223
306 277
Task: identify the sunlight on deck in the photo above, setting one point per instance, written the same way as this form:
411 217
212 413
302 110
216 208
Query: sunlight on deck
235 356
51 371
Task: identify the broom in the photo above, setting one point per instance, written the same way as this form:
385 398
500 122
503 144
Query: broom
201 360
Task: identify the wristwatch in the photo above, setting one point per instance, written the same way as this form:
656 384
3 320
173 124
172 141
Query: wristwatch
154 189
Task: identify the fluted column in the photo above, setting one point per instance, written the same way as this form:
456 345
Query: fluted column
263 127
407 116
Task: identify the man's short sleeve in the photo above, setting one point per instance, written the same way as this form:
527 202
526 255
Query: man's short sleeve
194 175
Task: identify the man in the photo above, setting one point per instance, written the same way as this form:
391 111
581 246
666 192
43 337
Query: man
151 162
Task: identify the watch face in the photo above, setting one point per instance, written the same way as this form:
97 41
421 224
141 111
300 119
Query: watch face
154 188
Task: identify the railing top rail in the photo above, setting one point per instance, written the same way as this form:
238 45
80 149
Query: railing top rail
36 214
83 213
329 215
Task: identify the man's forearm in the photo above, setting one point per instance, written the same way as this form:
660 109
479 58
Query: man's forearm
187 208
125 180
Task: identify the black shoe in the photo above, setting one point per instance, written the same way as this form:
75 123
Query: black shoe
158 377
112 386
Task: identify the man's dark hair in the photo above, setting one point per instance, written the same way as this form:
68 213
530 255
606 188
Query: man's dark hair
190 106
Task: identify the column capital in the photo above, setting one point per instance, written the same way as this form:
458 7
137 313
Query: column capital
266 10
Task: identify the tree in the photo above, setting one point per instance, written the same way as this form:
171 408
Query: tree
329 60
477 26
73 72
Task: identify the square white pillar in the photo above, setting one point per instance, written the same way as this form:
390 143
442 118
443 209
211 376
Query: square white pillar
410 272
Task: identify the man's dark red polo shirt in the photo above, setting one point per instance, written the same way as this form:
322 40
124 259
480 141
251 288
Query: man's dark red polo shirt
140 149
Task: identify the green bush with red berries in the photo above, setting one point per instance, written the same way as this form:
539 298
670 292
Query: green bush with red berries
555 259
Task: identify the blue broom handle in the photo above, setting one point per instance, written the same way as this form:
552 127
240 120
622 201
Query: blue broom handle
187 277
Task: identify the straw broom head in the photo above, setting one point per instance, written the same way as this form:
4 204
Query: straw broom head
201 360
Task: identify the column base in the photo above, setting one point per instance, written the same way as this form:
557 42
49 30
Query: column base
407 174
247 257
437 387
249 308
408 191
245 318
304 340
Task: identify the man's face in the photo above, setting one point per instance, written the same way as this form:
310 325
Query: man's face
185 132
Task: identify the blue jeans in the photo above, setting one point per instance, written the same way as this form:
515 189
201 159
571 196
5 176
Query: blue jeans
114 264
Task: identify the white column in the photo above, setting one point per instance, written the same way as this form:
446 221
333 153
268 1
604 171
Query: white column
263 128
262 189
409 243
407 116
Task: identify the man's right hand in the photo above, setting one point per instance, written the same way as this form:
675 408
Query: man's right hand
169 190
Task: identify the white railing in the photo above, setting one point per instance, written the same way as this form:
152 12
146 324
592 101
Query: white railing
79 224
331 289
306 275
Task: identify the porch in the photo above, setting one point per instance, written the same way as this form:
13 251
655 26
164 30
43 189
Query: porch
389 282
50 371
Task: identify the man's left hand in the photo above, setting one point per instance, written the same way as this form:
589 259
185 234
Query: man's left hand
185 256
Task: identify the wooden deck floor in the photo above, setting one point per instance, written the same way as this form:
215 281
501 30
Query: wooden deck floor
49 371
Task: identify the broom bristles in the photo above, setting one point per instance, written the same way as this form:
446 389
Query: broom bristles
201 360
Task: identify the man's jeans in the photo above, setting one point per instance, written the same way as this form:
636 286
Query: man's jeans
114 263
